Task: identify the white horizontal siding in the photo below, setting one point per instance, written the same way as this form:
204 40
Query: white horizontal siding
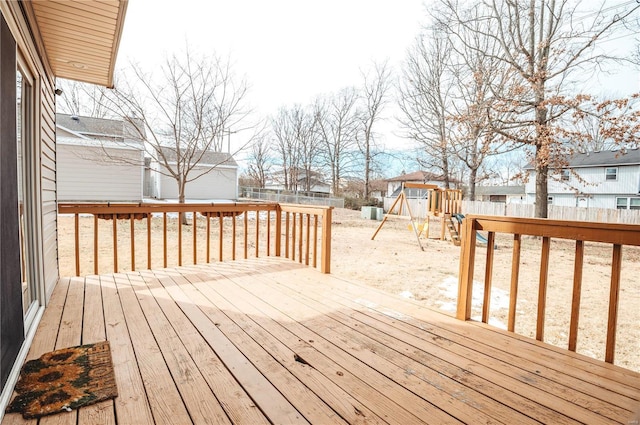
87 174
591 180
220 183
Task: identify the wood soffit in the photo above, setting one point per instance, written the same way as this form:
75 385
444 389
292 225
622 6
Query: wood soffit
80 37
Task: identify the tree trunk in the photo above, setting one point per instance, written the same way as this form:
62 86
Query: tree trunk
473 172
367 168
542 156
542 193
182 215
445 165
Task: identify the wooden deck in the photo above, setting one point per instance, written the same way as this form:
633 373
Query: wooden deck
272 341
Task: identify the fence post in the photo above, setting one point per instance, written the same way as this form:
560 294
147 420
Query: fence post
325 256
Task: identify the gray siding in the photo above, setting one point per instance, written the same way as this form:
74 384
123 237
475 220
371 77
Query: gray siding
220 183
48 188
85 173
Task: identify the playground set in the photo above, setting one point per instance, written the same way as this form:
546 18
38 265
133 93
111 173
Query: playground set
444 204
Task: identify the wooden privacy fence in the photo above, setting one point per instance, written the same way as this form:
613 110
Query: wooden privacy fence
301 233
616 235
555 212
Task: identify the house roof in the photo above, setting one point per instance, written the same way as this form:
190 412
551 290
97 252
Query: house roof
422 176
79 38
602 159
379 185
98 127
500 190
209 158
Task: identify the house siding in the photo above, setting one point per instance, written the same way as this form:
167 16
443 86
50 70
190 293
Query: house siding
48 188
220 183
86 174
45 198
590 188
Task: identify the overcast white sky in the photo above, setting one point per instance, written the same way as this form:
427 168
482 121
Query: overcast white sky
289 50
292 50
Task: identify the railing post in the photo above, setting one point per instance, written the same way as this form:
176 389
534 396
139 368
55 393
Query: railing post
325 255
614 295
278 230
465 276
77 242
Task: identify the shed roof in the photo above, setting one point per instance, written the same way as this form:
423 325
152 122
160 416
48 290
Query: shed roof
209 158
90 126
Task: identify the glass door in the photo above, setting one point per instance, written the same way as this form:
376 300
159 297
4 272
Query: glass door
25 147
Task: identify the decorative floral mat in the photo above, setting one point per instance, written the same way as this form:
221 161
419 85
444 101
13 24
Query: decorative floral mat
65 379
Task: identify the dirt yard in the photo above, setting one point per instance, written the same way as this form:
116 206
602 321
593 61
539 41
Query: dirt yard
394 262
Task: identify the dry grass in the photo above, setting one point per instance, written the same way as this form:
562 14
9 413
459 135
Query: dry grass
393 262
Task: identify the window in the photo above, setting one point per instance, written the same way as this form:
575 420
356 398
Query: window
611 173
621 203
565 175
628 203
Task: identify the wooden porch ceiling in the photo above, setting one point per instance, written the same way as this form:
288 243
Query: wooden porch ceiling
271 341
81 37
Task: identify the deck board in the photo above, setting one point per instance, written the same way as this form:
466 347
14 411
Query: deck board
561 393
272 341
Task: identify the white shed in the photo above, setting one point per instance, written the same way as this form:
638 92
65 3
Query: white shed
98 160
214 177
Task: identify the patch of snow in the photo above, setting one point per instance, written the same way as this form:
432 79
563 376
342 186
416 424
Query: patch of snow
448 306
407 294
365 303
395 315
449 291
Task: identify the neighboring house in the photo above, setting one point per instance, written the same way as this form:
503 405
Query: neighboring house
602 179
317 183
504 194
216 177
98 159
354 187
39 42
394 184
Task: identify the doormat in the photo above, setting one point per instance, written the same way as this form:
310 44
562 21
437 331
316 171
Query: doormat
64 380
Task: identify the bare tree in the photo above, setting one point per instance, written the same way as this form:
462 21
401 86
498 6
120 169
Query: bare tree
185 110
337 124
547 43
285 145
260 160
426 97
375 90
82 99
476 77
297 145
309 144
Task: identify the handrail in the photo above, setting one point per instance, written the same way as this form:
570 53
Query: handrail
265 241
615 234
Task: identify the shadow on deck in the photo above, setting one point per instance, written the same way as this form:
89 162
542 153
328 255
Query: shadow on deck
272 341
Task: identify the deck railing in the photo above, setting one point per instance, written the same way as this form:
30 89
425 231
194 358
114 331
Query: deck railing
217 232
615 235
